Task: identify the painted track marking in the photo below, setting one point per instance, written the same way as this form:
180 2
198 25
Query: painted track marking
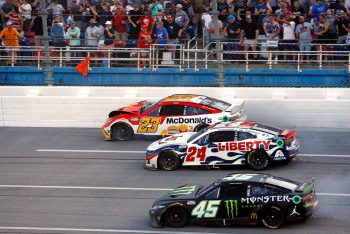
143 152
46 229
124 188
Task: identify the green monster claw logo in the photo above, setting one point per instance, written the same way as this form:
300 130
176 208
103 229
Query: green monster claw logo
231 206
183 190
279 143
225 118
297 199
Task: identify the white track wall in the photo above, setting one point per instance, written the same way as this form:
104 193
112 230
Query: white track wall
88 107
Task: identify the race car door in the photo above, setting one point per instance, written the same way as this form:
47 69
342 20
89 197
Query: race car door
156 121
210 149
221 204
230 196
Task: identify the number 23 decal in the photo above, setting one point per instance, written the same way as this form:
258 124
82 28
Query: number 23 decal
148 125
192 151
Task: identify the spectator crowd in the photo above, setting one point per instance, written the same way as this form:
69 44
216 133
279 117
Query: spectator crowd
285 25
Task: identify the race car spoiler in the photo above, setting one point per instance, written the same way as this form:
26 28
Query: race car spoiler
306 188
287 134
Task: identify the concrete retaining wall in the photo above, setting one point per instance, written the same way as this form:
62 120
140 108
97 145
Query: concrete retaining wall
89 106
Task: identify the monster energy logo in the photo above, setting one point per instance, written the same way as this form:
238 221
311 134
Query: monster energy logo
183 190
232 208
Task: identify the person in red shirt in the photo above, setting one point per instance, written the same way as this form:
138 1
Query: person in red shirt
120 20
144 42
147 20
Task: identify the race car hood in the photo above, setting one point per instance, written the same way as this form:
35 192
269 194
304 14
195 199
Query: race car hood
134 108
184 192
177 139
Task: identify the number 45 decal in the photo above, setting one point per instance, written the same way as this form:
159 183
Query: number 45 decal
206 209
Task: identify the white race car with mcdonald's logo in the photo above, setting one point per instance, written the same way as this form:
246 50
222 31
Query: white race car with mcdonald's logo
171 115
225 143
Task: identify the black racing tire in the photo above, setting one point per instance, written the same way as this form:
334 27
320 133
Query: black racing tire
176 217
169 161
272 217
257 160
122 132
200 127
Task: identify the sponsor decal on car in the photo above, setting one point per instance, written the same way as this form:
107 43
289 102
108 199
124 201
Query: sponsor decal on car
183 190
180 120
243 146
265 199
231 208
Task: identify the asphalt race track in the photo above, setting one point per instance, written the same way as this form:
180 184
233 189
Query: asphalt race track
60 180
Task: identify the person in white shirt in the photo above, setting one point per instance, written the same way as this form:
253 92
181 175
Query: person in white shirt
288 43
25 10
206 19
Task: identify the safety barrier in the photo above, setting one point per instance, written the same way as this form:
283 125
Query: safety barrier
88 107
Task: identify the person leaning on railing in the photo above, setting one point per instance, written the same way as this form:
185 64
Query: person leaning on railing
10 39
161 41
73 36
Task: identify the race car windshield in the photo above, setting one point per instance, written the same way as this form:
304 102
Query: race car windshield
147 106
205 189
214 103
195 135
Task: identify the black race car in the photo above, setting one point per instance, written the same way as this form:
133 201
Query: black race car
236 199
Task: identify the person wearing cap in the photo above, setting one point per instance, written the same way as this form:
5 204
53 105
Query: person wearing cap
10 38
109 35
120 19
182 20
319 7
9 35
144 42
134 21
249 35
156 6
92 34
57 34
73 37
342 25
162 39
232 32
304 32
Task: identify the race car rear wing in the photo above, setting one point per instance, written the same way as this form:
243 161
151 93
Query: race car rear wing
288 135
306 188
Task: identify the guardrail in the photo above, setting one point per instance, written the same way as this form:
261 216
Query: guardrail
176 55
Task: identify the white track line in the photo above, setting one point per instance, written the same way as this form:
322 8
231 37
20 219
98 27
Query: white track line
46 229
124 188
82 187
91 151
143 152
326 155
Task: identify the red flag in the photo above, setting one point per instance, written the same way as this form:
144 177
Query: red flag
82 67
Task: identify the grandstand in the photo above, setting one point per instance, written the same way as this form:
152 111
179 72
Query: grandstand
178 34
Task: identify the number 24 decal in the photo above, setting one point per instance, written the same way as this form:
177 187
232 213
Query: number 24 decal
148 125
192 151
206 209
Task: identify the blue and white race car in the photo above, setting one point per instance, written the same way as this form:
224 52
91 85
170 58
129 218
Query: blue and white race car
225 143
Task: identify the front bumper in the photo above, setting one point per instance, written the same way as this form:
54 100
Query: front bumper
151 160
106 135
155 218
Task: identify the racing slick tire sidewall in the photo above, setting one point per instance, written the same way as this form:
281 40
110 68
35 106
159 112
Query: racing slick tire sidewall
272 217
257 160
169 161
122 132
176 217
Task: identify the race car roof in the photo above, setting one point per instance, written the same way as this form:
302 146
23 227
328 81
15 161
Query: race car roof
248 125
183 98
262 178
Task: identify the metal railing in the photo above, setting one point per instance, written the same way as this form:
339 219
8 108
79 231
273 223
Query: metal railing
177 56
